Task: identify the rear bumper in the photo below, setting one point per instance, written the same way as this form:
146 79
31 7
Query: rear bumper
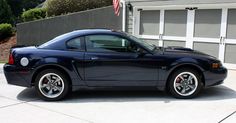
215 77
17 76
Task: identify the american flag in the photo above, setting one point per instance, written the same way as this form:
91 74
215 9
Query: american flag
116 6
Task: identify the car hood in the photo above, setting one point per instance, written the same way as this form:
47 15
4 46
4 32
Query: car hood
187 52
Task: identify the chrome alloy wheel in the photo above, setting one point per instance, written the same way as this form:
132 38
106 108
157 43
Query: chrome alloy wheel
185 83
51 85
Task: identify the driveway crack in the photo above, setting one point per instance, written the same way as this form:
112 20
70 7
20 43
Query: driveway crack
60 113
227 117
17 103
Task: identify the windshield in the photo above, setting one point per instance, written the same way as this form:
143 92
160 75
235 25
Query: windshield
142 42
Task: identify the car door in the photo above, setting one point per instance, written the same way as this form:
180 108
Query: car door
75 51
112 60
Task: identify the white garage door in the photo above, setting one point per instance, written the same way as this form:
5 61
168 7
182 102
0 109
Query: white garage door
229 43
207 29
158 26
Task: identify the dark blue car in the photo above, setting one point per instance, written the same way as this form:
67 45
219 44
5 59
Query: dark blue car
105 59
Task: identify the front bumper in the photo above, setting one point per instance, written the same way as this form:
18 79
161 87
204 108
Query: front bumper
17 76
215 77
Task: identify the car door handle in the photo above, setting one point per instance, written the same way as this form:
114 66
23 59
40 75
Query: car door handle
94 58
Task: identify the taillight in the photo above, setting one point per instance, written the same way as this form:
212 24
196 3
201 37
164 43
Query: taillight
11 59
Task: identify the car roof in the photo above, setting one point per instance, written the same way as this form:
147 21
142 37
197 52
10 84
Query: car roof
91 31
61 38
83 32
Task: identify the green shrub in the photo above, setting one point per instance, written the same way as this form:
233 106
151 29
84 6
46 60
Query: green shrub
33 14
59 7
6 30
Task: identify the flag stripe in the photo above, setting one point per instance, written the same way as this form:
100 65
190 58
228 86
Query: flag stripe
116 6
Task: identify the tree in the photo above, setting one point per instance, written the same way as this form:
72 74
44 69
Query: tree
5 12
19 6
59 7
15 6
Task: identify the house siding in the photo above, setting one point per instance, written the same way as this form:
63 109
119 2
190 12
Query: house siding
129 21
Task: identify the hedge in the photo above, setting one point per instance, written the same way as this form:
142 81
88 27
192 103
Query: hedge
59 7
33 14
6 30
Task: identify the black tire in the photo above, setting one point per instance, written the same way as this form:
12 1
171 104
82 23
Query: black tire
179 83
63 84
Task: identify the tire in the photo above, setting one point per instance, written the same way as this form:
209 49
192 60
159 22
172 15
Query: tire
185 83
52 85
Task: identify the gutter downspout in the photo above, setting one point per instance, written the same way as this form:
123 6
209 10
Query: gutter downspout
123 15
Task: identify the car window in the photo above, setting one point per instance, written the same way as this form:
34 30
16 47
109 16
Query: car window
74 44
109 43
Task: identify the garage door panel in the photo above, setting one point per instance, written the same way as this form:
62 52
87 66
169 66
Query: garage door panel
207 23
175 19
230 51
231 26
168 43
208 48
152 41
149 22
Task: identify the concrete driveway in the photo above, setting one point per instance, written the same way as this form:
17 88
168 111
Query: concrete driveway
215 104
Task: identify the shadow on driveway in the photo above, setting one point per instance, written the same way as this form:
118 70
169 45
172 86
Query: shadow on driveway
210 94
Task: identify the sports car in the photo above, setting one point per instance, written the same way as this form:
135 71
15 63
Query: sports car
102 59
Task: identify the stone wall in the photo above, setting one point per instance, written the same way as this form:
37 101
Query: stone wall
5 47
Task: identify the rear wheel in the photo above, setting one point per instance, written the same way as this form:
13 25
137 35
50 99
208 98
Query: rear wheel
52 85
185 83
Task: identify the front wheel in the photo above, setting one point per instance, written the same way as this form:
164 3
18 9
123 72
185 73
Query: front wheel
185 83
52 85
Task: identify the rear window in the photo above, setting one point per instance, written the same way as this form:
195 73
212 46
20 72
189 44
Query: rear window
74 44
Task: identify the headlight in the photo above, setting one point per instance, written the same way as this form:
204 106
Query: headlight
215 65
